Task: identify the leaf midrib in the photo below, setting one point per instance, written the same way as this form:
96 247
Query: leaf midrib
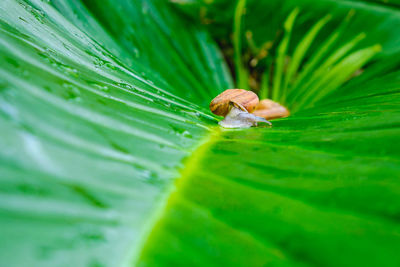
168 199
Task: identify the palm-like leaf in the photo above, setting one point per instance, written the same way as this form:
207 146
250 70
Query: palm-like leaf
103 105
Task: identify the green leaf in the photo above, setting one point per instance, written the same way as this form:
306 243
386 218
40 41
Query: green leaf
110 157
240 71
282 50
328 63
300 51
309 69
93 130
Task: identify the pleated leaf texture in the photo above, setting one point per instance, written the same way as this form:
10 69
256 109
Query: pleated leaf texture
109 155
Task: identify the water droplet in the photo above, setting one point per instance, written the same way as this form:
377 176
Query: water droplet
98 85
38 14
98 62
181 131
146 173
154 178
104 88
111 66
187 134
71 93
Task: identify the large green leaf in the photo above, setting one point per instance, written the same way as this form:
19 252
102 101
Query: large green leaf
89 145
103 104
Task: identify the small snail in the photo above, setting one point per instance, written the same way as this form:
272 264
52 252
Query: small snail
242 109
235 105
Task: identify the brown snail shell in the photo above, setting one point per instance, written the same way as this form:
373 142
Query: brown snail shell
220 105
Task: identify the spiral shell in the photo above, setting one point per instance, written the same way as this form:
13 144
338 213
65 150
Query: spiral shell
243 98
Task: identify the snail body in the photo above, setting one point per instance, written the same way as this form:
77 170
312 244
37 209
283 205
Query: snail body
239 118
236 106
